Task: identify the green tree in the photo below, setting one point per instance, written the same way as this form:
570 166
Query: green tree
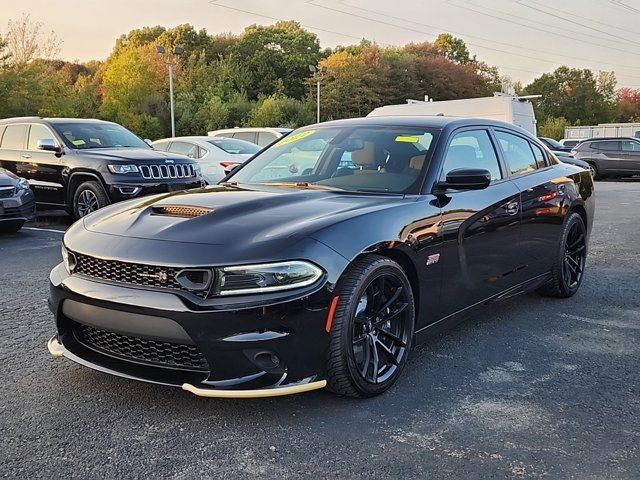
575 95
276 58
452 48
553 127
629 105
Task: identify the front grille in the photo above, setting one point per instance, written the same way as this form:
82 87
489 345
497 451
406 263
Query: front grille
7 192
131 273
167 171
175 355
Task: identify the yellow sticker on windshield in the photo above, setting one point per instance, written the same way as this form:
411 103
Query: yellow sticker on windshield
294 138
407 139
77 143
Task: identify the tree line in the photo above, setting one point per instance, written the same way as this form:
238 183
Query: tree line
262 78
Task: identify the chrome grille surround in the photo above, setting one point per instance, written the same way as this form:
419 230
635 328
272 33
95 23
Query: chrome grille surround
7 191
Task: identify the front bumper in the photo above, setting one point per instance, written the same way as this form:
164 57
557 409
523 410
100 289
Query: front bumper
20 208
254 351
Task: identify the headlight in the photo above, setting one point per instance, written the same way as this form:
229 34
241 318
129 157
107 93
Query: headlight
69 259
123 168
23 184
269 277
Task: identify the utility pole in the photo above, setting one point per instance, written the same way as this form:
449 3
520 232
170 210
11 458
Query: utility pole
318 73
170 59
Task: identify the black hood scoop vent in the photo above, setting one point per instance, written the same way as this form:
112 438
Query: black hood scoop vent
184 211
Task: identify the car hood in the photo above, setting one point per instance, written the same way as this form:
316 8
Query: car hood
7 178
147 155
238 216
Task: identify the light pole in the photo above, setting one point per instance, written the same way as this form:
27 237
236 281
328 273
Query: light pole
170 59
318 72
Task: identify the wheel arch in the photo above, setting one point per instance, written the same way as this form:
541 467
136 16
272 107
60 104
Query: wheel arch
580 210
402 258
77 178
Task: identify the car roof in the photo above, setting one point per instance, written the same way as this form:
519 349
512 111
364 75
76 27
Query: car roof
425 121
597 139
52 120
200 138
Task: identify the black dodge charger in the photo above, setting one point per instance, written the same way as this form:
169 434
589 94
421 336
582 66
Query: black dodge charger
320 262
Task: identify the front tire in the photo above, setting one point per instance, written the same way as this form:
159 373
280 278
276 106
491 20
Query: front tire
372 329
10 227
568 268
89 197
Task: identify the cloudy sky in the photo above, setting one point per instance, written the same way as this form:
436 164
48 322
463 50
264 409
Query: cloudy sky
524 38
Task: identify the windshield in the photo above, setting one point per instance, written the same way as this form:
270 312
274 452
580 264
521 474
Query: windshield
98 135
553 143
233 146
373 159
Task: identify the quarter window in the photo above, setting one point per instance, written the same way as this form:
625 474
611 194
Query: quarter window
517 152
14 136
248 136
38 132
539 156
472 149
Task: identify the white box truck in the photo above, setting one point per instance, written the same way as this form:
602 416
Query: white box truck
602 130
507 108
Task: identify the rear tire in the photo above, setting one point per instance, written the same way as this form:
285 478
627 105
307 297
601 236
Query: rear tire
10 227
568 268
89 197
372 329
593 169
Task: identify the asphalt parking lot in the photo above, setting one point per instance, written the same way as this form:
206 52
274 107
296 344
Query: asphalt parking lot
530 388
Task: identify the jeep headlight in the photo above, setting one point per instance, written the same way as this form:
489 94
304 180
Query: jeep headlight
128 168
268 277
69 259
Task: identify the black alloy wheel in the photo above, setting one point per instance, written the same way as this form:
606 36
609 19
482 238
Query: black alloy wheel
89 197
372 329
568 270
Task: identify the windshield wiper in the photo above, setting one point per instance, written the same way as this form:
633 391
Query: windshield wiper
310 186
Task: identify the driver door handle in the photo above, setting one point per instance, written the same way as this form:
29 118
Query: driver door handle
25 155
512 208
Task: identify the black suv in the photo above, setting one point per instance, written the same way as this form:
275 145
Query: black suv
82 165
610 157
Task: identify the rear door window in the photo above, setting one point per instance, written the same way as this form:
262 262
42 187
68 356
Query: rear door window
14 137
472 149
184 148
517 152
248 136
265 138
630 146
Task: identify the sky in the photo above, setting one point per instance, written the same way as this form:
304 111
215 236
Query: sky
523 38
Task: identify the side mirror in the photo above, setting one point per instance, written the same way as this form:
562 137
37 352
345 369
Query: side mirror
48 145
467 179
148 142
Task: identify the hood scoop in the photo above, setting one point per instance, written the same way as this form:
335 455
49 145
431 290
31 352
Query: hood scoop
184 211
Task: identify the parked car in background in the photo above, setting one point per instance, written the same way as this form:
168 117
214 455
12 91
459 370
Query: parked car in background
566 157
610 157
259 136
217 156
82 165
17 203
327 275
554 145
571 142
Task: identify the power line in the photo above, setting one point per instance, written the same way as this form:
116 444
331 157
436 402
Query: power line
621 4
344 2
512 20
382 22
216 4
568 20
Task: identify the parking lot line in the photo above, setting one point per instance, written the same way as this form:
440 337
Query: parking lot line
43 229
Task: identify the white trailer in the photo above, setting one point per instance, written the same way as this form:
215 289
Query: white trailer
603 130
507 108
